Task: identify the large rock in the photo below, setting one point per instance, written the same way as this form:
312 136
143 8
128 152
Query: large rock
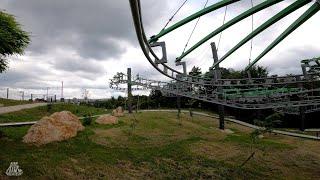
57 127
118 112
107 119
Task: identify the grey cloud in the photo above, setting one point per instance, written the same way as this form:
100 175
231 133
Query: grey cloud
92 28
78 65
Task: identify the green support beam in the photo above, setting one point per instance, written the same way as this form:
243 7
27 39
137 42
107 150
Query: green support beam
288 10
233 21
192 17
303 18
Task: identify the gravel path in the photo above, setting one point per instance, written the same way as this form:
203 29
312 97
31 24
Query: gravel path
9 109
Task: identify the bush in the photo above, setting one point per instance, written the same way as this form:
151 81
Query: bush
49 107
87 120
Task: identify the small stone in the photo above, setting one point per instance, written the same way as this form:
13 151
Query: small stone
118 112
228 131
260 136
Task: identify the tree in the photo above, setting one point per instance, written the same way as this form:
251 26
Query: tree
229 73
195 71
258 71
13 40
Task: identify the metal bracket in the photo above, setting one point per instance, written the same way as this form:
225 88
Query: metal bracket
164 52
184 65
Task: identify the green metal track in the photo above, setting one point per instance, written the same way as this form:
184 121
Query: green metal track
192 17
233 21
303 18
291 8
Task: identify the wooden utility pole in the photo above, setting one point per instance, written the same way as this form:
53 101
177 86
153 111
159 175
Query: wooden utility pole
129 90
61 98
217 75
7 93
179 105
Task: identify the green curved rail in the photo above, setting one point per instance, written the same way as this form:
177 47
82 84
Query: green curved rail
233 21
302 19
288 10
191 18
265 4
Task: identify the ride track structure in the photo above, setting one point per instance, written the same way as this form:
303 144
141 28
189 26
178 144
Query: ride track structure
293 91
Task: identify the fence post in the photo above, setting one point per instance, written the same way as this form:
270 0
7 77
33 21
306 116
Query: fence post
7 93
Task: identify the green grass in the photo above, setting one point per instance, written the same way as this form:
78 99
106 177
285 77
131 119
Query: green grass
246 140
37 113
10 102
158 147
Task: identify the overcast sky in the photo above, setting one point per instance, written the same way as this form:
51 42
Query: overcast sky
84 43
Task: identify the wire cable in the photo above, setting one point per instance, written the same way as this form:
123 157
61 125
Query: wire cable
251 43
194 28
224 19
174 14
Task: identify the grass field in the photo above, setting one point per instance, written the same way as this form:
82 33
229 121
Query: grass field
158 146
10 102
37 113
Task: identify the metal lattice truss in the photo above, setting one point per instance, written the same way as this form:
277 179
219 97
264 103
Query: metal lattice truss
161 63
249 93
120 80
256 93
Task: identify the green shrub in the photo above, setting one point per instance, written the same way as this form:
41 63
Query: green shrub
49 107
87 120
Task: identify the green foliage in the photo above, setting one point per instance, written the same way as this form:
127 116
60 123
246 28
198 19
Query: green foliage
13 40
49 107
229 73
195 71
37 113
269 122
87 120
10 102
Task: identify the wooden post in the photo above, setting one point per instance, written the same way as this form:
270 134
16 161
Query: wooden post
129 90
302 117
217 75
179 105
7 93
